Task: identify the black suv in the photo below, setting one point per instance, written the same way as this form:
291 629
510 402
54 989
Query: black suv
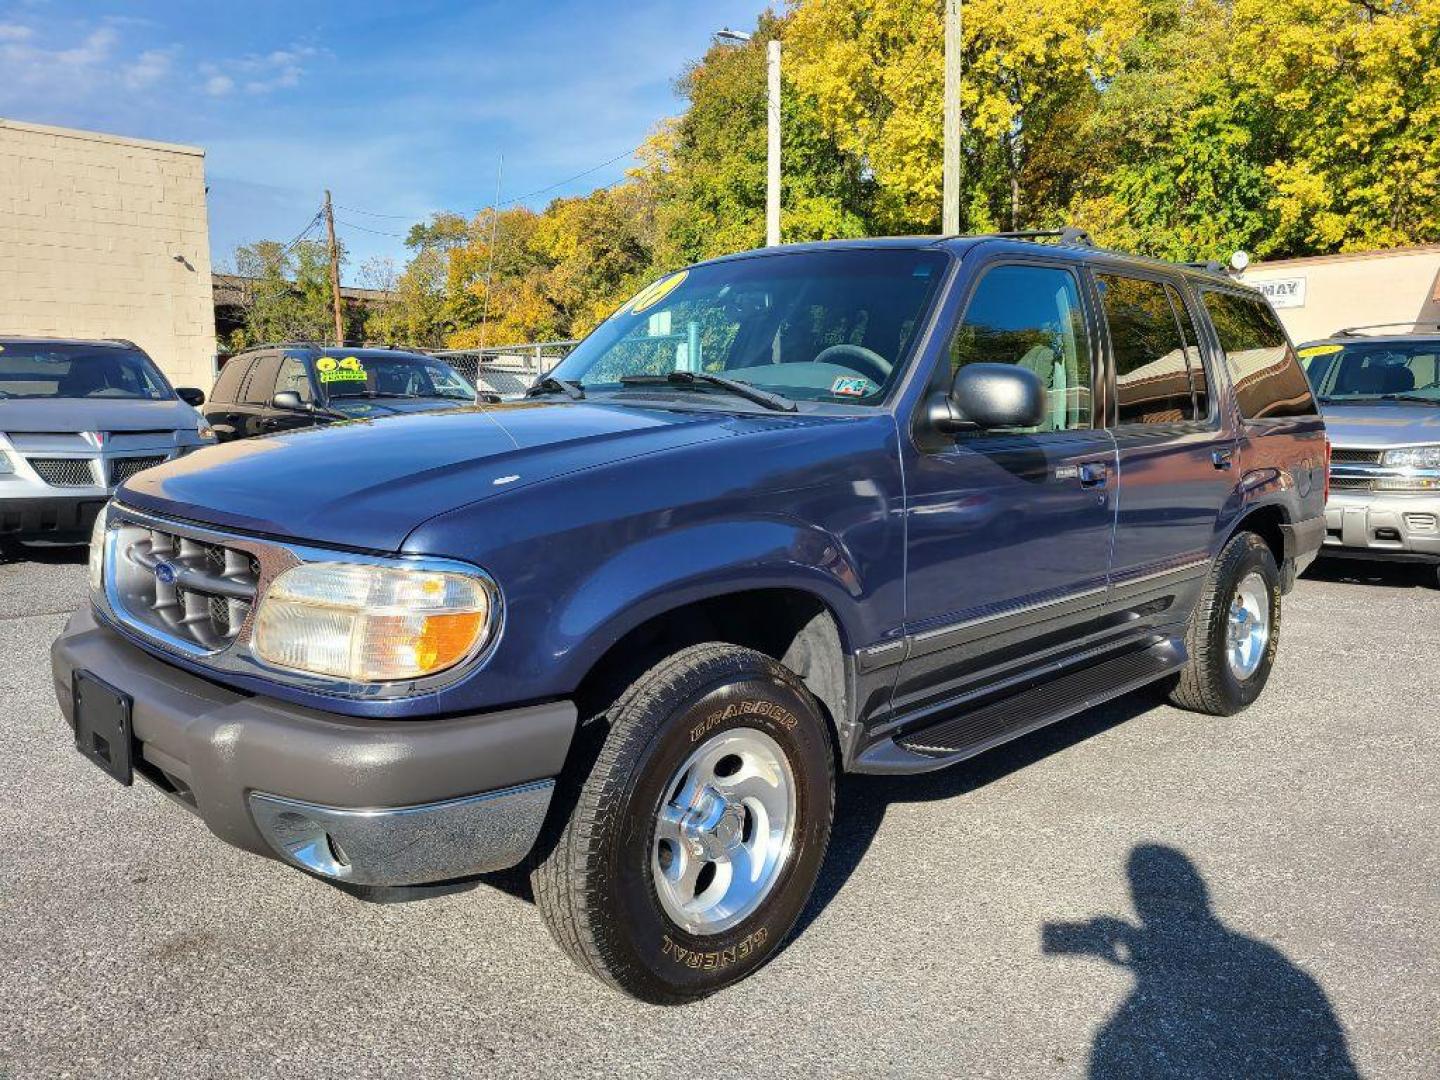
871 506
275 388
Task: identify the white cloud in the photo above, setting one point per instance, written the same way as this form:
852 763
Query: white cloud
219 85
151 66
15 32
257 73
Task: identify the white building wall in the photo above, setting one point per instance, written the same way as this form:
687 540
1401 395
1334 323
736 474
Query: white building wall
107 237
1317 296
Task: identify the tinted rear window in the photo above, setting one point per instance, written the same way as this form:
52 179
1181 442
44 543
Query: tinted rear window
1152 362
1263 369
227 385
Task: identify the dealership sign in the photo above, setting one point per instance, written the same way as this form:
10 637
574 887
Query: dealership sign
1284 292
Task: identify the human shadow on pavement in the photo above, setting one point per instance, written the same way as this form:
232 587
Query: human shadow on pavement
1208 1001
861 801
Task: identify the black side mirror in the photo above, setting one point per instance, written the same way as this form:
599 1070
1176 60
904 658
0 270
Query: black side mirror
190 395
290 401
990 396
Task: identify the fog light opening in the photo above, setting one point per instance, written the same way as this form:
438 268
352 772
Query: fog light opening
337 853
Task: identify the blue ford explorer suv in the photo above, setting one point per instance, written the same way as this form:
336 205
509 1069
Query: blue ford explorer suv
870 506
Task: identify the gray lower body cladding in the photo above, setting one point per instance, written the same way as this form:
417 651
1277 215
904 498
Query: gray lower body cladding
61 517
383 802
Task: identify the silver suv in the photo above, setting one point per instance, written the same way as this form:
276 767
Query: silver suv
76 419
1381 397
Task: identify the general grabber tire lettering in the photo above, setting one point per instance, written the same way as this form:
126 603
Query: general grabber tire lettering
718 756
1234 631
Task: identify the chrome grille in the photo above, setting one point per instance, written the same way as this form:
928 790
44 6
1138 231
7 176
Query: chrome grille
64 472
183 589
122 469
1343 454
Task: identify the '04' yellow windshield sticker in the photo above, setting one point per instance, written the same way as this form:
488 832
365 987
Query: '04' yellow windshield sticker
1318 350
656 291
347 370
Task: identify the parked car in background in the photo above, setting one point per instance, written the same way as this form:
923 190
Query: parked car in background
276 388
76 419
868 506
1381 397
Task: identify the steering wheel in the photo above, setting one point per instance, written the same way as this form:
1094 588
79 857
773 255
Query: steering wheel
857 358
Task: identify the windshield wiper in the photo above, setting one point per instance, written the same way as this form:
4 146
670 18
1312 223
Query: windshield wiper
777 402
1361 399
549 384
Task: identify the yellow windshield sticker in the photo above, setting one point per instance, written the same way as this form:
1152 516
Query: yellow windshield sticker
653 293
1318 350
347 370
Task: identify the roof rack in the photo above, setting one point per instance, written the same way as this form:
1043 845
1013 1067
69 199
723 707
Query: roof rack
1077 237
1354 331
1212 266
328 345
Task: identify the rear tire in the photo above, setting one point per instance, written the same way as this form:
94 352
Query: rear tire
1234 631
692 845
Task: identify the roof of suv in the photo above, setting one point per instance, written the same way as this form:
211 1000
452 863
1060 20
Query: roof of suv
22 339
312 350
1071 244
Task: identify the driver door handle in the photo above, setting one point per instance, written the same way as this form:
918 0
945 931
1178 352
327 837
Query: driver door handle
1094 474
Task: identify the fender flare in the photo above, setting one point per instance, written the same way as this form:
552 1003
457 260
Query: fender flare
679 567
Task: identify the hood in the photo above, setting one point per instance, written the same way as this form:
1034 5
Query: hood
1381 424
357 408
31 416
368 485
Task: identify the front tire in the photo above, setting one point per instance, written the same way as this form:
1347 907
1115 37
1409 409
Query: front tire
694 842
1234 631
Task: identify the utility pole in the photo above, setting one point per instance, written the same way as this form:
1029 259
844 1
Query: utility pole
954 50
334 270
772 144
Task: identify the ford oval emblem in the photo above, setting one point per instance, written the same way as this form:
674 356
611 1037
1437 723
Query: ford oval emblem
165 573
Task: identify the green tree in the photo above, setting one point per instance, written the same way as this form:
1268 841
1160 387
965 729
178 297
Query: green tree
287 292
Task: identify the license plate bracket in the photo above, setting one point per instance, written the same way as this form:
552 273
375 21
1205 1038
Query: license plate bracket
103 731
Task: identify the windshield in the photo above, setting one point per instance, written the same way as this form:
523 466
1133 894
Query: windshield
46 370
1374 370
831 326
370 376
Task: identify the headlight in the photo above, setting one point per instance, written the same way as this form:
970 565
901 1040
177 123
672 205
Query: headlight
6 465
372 623
1414 457
97 550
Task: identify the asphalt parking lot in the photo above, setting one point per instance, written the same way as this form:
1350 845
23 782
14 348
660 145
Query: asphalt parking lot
1138 891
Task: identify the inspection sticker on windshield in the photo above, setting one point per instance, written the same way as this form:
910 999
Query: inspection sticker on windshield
346 370
1318 350
852 386
653 293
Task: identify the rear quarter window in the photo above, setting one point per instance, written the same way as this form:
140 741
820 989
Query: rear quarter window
1268 381
228 383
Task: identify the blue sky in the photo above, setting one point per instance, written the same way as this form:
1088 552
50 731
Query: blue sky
398 108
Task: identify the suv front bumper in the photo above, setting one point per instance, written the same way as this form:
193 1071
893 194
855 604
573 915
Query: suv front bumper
1383 526
371 802
54 517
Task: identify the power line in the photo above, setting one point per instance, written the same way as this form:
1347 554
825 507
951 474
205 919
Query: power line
374 213
376 232
319 214
570 179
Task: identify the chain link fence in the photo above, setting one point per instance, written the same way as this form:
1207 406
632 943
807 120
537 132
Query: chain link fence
507 370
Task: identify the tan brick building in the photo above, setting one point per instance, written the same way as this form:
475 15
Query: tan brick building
1317 296
104 236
